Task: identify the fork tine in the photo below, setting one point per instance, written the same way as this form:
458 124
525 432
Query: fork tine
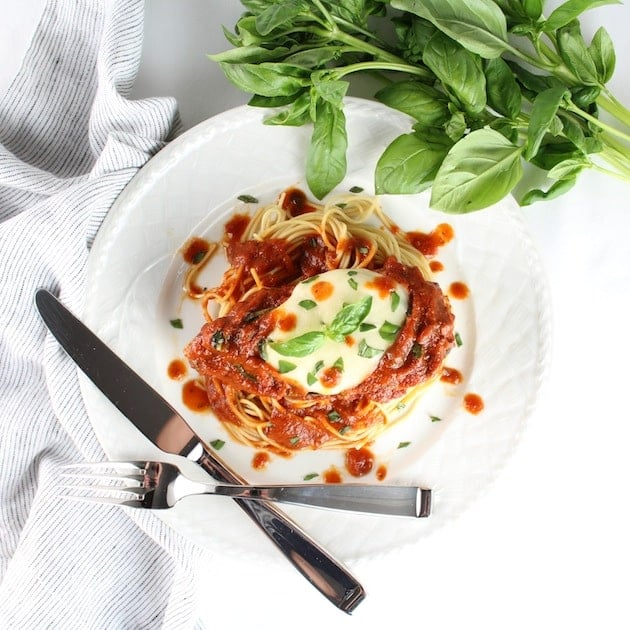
97 475
106 500
136 466
134 490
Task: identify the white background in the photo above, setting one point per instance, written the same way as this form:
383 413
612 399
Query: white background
548 546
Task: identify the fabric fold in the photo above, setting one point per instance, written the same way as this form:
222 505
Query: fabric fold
70 140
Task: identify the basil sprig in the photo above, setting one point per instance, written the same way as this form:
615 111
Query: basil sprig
345 322
492 86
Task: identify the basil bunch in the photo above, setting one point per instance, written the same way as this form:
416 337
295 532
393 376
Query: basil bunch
490 84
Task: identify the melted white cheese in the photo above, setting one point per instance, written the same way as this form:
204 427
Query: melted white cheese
332 331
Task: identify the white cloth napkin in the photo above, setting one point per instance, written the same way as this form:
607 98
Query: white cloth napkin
69 142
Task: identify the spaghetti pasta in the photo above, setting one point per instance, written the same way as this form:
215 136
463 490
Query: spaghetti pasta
284 300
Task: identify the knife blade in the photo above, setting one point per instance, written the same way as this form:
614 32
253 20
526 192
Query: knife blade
155 418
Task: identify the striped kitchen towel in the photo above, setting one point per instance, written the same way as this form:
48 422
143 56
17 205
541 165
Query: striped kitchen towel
70 139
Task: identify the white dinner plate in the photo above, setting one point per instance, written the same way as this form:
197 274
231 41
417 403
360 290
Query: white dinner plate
191 188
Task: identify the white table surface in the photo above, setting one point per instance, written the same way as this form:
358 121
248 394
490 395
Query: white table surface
548 546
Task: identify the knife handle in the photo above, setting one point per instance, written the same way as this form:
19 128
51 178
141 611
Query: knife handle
325 573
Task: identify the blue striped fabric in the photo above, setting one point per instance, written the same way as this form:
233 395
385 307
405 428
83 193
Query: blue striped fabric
70 139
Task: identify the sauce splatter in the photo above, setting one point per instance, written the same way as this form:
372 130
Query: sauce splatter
322 290
473 403
436 266
260 460
332 475
194 396
381 472
359 461
451 375
195 249
235 227
458 290
383 285
296 203
429 243
286 321
176 369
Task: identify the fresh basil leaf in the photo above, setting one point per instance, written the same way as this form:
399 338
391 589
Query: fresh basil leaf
409 164
326 156
307 304
478 26
456 127
296 114
368 352
314 57
279 14
338 364
388 331
503 93
554 152
394 300
555 190
602 52
569 11
544 110
300 346
332 91
459 70
249 54
478 171
311 379
585 97
285 366
420 101
532 82
267 78
506 128
569 169
574 53
348 319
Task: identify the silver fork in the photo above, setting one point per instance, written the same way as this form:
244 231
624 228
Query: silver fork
160 485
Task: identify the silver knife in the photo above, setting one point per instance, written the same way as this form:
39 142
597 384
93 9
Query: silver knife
159 422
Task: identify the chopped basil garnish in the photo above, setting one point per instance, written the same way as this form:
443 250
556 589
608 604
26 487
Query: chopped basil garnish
458 340
416 350
365 327
348 319
367 352
199 256
244 373
310 476
403 444
311 379
177 323
344 430
217 339
217 444
394 300
435 419
247 199
353 272
285 366
388 331
334 416
307 304
318 366
300 346
356 189
338 364
294 440
353 283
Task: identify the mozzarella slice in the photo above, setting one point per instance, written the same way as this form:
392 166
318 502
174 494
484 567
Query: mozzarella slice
331 333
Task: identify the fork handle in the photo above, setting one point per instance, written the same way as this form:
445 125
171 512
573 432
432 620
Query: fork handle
372 499
325 573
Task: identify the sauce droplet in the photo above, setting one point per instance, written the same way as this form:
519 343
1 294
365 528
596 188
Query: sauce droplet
451 375
381 472
436 266
176 369
359 461
194 396
260 460
458 290
428 244
195 249
322 290
235 227
473 403
332 475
